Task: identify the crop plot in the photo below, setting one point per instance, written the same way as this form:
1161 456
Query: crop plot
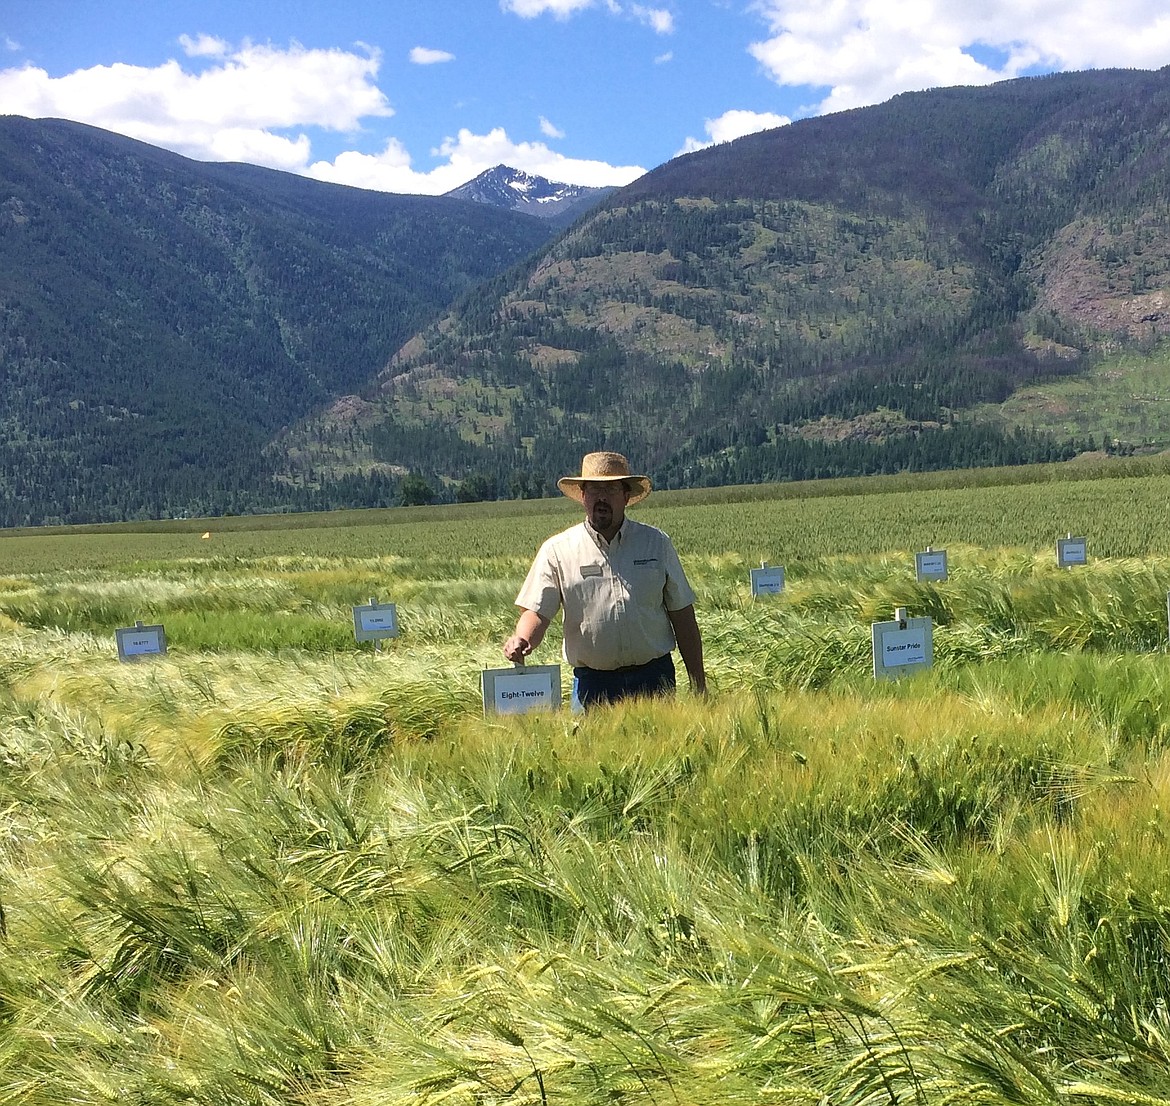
271 867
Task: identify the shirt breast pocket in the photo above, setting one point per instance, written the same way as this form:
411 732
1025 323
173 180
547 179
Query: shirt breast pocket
648 579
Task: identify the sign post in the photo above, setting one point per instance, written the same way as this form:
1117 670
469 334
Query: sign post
767 579
520 689
901 646
140 640
375 622
930 564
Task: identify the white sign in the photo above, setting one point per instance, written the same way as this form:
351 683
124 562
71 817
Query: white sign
1071 551
900 647
375 622
931 565
768 580
521 689
140 641
903 647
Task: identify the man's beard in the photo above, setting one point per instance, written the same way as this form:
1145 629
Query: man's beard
602 516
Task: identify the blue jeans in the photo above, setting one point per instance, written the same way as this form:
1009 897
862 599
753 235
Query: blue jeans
592 686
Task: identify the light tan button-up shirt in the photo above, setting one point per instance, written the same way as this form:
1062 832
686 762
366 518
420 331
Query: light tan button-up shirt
615 595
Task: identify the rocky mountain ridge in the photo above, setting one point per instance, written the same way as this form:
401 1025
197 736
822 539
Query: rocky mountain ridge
514 190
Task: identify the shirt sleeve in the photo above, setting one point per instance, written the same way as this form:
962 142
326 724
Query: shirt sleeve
677 592
541 591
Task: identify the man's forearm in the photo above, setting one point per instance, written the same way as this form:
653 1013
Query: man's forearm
529 633
690 645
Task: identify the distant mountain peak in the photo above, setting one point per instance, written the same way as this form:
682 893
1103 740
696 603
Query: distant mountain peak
516 190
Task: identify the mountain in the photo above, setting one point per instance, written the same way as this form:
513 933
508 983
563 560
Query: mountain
861 292
162 320
837 296
515 190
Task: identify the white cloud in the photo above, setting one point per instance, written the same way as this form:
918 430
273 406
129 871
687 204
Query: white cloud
204 46
467 155
229 110
865 51
11 45
662 59
560 9
421 55
734 124
658 19
256 147
255 103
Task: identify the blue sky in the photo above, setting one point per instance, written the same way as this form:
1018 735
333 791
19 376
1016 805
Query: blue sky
422 95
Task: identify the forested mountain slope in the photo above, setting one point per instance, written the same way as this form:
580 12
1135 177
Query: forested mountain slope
162 319
829 297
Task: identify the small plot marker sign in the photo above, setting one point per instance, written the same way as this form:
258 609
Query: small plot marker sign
767 579
931 564
375 622
1071 551
138 641
521 689
902 645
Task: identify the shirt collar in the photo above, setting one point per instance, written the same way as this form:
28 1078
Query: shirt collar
599 538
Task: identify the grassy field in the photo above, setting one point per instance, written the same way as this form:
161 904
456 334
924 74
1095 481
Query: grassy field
273 867
1126 397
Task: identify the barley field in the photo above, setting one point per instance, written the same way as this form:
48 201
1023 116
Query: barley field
276 866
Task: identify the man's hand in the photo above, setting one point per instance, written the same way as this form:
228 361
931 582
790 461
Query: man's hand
529 633
516 648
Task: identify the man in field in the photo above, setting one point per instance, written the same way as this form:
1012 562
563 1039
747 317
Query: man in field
626 600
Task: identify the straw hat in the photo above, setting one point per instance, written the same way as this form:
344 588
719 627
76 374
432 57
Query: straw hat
598 468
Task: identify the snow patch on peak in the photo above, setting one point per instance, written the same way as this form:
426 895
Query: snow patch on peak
516 190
